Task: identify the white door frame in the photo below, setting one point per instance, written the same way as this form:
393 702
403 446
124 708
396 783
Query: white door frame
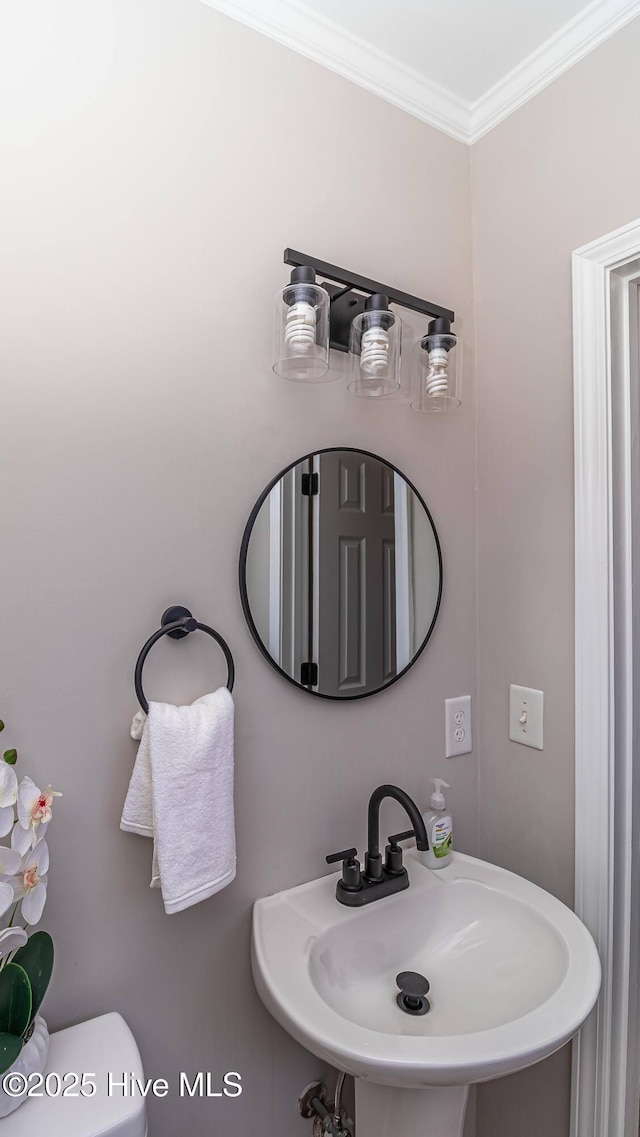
606 1058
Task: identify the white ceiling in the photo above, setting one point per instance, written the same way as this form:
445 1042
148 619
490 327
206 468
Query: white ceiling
462 65
464 45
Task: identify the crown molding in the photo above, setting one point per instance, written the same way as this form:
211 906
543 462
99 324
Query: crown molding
333 47
594 25
326 43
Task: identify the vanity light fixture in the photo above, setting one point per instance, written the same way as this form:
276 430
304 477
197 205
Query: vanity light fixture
352 313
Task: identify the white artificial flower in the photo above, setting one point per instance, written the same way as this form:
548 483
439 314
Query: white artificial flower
11 939
30 884
34 805
8 797
8 785
6 896
24 839
7 819
10 862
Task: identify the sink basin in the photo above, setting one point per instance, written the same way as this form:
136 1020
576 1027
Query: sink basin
513 974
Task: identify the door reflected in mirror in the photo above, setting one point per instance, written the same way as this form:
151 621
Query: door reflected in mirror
341 573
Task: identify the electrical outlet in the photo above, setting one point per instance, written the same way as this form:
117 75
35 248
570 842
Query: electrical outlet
526 716
457 720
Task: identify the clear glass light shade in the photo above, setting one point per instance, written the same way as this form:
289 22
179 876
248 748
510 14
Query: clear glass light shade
374 353
437 374
301 333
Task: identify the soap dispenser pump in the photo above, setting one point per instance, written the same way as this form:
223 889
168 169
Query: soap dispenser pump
439 825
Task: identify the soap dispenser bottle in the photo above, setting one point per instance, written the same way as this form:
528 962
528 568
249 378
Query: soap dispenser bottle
439 826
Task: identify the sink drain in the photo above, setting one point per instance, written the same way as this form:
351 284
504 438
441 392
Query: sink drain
413 991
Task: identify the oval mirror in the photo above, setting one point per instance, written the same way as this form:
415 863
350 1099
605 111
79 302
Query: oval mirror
341 573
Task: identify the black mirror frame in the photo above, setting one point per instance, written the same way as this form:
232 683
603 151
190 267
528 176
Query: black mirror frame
242 573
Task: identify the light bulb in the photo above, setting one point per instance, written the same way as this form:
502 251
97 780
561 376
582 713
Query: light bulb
300 330
437 368
437 377
374 351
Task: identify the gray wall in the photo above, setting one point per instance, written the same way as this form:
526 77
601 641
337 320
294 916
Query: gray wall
156 159
560 172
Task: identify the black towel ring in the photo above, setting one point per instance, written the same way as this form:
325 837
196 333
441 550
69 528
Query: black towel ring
178 622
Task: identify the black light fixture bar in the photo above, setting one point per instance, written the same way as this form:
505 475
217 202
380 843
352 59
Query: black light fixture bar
364 284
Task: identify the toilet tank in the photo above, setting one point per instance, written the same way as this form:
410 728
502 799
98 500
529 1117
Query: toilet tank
99 1047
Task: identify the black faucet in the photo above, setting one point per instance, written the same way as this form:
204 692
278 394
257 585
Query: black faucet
357 888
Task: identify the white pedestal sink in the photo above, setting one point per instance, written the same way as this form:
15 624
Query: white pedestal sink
382 1111
513 974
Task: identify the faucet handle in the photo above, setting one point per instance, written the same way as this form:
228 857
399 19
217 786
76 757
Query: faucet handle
393 840
345 855
351 875
393 852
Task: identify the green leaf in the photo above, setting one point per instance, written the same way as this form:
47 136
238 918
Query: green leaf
15 999
1 725
10 1047
10 757
36 957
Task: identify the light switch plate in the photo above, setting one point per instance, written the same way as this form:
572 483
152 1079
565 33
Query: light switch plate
457 721
526 715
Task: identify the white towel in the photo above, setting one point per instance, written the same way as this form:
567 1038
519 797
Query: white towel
181 795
